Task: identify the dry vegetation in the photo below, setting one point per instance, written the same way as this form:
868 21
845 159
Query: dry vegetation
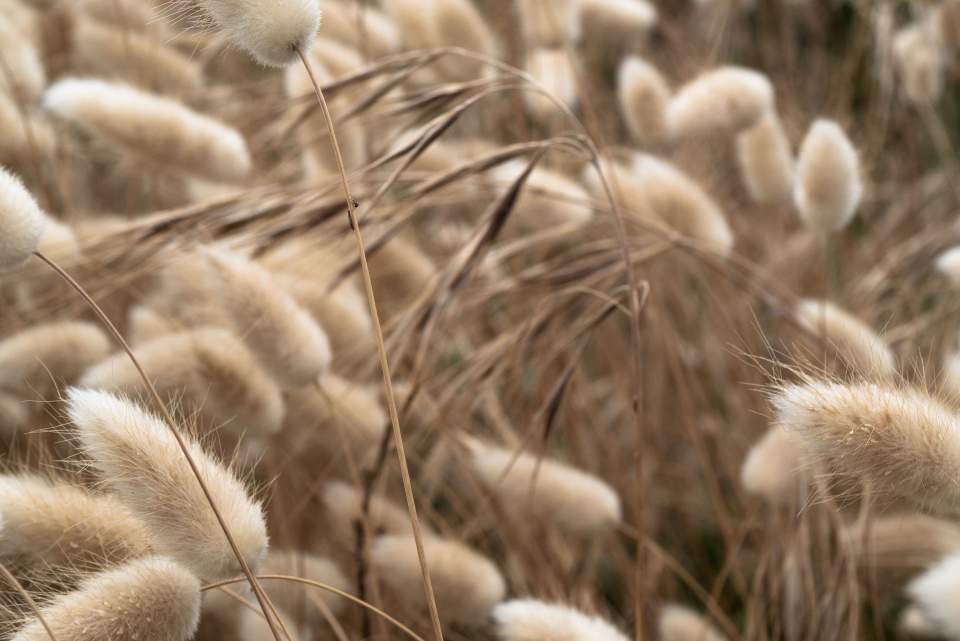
666 290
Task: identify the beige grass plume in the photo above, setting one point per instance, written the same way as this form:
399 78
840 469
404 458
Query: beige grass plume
678 623
21 222
774 468
948 264
14 415
946 24
401 271
344 505
210 372
27 138
914 623
533 620
158 131
644 97
920 61
549 198
144 324
139 461
467 584
151 599
23 78
549 23
726 100
828 186
622 21
766 161
57 525
937 593
34 361
251 626
554 70
864 351
124 14
576 502
367 29
458 23
299 600
900 545
900 441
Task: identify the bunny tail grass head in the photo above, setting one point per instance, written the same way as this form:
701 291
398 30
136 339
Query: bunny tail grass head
549 23
158 131
644 96
292 597
828 186
23 76
866 353
35 360
765 161
467 584
554 70
578 503
252 626
948 264
152 599
532 620
773 468
722 101
344 504
900 441
140 462
21 222
458 23
269 30
63 527
901 545
937 593
678 623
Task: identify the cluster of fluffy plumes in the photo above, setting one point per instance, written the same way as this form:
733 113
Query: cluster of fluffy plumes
923 50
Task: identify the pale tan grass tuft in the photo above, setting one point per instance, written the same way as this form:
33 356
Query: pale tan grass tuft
864 351
549 23
678 623
623 21
532 620
22 75
724 101
344 505
828 188
899 545
766 161
774 468
921 62
549 198
554 70
458 23
937 592
21 222
644 97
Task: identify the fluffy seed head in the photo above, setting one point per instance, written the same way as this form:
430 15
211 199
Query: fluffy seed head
467 584
269 30
828 187
458 23
678 623
765 161
723 101
548 199
622 20
549 23
344 505
401 270
21 222
554 70
294 598
151 599
359 29
900 545
532 620
902 442
914 623
578 503
140 462
948 264
24 77
158 131
920 61
35 360
937 592
26 138
253 627
866 353
773 467
644 96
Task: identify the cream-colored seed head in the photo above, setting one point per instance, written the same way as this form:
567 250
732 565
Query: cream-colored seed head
902 442
948 264
902 544
578 503
336 413
549 23
23 78
14 415
622 20
144 324
21 222
920 61
644 96
828 186
458 23
139 461
151 599
554 71
209 371
773 468
766 161
158 131
678 623
532 620
58 241
401 270
865 352
722 101
57 525
915 624
252 626
36 360
937 592
344 504
365 30
549 198
297 599
26 137
467 585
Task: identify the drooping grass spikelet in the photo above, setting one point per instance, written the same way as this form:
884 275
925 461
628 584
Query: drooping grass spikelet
35 360
948 264
139 461
766 161
644 97
773 468
866 353
721 101
21 222
678 623
61 526
467 584
151 599
158 131
554 70
902 442
549 23
578 503
828 186
533 620
208 371
937 592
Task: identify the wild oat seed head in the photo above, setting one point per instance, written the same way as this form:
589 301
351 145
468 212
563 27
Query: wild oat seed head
773 468
828 187
467 584
865 352
21 222
948 264
549 23
644 96
722 101
152 599
678 623
901 441
578 503
139 462
159 131
35 360
937 592
766 161
532 620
